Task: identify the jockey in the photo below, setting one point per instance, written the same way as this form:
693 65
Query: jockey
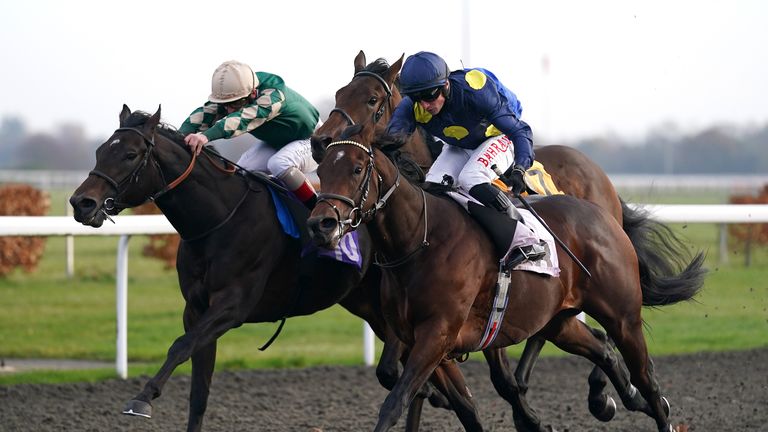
478 119
260 104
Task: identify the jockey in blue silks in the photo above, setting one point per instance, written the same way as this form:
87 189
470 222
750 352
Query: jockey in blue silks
478 119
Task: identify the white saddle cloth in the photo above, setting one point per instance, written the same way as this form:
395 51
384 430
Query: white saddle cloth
536 231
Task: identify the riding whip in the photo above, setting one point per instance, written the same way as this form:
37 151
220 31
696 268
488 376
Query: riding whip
528 207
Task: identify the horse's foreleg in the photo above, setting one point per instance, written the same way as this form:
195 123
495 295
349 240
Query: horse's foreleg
508 386
422 361
413 419
393 352
531 351
449 380
214 322
203 361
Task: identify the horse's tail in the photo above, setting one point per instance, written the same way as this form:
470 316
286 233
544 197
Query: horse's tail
661 255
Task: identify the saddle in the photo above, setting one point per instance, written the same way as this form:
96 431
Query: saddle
539 184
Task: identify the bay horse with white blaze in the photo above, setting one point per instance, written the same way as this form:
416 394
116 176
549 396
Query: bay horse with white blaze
439 296
235 264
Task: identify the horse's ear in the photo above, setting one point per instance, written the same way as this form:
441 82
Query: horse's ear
151 124
393 70
319 145
360 61
124 114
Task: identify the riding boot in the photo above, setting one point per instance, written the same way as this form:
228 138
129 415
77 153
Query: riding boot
299 185
492 197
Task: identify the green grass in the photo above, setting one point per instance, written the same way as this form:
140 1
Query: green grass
46 315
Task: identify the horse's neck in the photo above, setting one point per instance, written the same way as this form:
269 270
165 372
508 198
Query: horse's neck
203 199
399 227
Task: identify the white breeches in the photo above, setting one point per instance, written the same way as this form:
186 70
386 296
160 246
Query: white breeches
472 167
261 157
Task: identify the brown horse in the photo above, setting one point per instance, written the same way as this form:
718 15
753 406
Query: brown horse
439 295
369 100
226 280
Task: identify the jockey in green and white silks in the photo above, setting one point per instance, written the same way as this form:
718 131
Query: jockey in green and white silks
259 103
478 119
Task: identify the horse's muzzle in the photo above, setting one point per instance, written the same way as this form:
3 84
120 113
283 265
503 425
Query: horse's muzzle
86 210
324 231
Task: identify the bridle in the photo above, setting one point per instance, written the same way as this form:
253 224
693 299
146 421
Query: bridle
380 112
111 206
356 214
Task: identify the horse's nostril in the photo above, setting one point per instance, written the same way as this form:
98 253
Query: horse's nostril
83 203
327 224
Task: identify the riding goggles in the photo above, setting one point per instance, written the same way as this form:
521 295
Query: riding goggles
427 95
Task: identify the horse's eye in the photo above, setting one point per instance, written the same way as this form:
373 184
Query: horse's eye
372 101
131 156
358 169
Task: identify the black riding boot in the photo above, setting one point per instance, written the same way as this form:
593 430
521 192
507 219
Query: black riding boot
492 197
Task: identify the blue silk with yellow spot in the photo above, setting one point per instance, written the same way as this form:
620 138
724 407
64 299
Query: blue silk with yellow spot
478 107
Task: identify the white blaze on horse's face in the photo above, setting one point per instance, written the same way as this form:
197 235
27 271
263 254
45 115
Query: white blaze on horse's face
114 141
339 155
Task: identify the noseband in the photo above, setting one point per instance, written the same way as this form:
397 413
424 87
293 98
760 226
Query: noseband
357 209
110 205
356 214
380 112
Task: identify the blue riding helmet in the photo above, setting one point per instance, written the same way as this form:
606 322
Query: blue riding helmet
422 71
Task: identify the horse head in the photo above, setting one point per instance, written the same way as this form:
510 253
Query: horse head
368 99
351 187
122 176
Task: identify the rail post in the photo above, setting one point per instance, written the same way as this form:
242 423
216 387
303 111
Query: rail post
121 355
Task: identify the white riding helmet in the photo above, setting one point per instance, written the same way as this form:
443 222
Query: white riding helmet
232 81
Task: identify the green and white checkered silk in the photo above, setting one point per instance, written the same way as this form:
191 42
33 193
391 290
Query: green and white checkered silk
278 116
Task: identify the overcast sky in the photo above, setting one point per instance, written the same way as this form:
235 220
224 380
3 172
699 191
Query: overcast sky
618 67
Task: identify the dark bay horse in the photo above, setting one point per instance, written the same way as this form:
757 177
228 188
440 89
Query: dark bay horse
235 264
370 98
439 296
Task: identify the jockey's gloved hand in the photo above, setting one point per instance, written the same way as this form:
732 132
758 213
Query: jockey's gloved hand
516 177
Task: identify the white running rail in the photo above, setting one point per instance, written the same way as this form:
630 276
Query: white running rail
125 226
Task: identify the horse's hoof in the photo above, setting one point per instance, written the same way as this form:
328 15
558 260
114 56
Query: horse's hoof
604 409
665 405
138 408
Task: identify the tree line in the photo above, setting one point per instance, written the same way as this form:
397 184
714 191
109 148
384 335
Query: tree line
664 150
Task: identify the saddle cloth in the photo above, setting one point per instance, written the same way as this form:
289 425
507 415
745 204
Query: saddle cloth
548 265
348 250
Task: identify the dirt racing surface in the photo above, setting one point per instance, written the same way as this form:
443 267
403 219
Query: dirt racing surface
708 392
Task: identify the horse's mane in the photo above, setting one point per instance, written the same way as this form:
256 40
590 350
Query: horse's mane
390 145
139 118
379 67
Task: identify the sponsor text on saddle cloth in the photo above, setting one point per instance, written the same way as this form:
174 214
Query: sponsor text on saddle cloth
348 250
